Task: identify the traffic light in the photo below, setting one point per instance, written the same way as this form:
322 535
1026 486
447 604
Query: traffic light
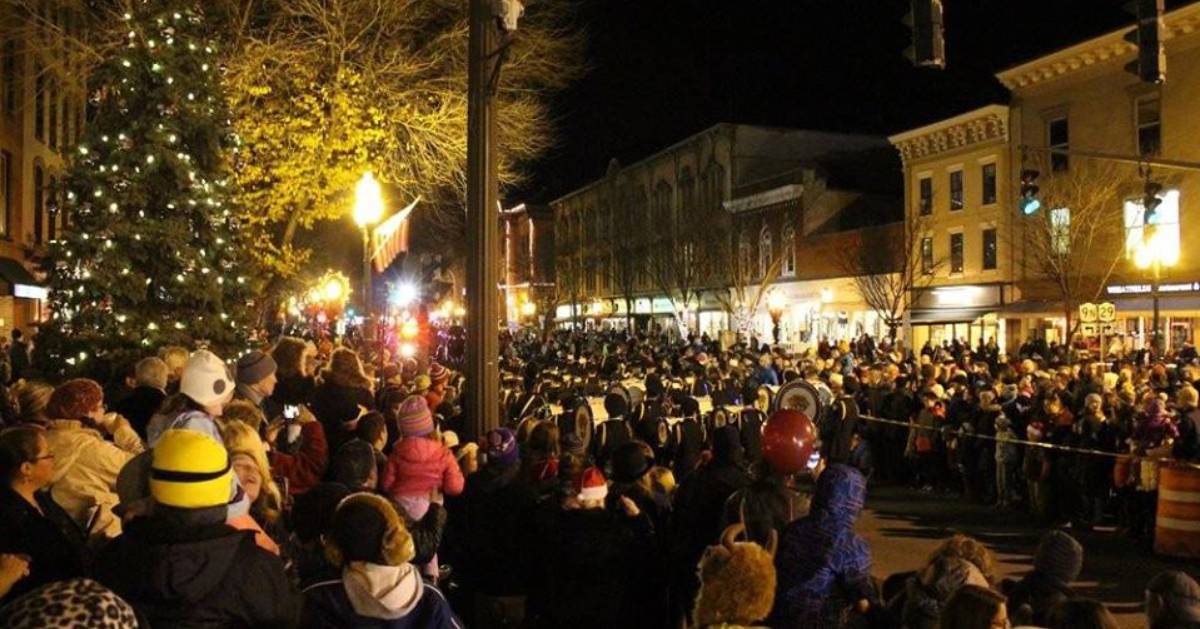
1151 63
1029 202
1150 202
928 49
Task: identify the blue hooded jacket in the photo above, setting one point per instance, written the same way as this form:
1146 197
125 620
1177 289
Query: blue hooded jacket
823 566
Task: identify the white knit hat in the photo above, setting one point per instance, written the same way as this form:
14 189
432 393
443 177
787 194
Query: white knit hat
206 379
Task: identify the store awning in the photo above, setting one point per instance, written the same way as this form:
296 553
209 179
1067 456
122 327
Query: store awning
949 315
1146 304
22 281
1124 305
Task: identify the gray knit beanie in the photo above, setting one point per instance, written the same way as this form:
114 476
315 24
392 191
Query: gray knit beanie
1059 556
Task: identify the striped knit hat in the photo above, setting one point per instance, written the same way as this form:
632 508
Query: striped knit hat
414 417
438 373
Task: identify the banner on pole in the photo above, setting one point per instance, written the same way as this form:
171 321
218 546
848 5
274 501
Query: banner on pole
391 238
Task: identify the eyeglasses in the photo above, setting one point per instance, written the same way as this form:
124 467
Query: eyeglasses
45 456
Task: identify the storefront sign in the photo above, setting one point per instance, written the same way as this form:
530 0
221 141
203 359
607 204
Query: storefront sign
1144 289
641 305
29 292
969 296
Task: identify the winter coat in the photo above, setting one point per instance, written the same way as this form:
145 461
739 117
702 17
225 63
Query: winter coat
139 406
590 560
178 570
418 466
763 506
328 398
699 507
371 596
304 467
837 427
1187 446
689 438
1034 596
497 509
824 567
1006 450
53 542
85 471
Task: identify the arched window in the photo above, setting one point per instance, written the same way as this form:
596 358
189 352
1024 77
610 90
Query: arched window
789 252
687 191
744 255
764 251
39 203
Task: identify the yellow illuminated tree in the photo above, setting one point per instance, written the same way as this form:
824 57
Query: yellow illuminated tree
323 90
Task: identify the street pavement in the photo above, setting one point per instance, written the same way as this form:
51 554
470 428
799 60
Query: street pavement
903 527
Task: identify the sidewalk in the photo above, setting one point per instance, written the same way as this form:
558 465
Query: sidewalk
903 526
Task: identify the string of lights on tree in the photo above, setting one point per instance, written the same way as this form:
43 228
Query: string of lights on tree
152 253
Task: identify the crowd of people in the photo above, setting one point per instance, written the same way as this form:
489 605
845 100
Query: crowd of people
302 484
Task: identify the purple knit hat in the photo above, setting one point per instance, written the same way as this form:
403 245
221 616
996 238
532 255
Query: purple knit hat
502 447
414 417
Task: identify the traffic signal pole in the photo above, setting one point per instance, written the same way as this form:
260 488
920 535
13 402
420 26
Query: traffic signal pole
483 344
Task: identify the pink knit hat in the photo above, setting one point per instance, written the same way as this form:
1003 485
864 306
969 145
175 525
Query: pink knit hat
414 417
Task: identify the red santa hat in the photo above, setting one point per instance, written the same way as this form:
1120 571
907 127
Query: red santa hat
592 485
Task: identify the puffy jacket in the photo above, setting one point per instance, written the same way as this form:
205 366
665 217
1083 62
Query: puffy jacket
823 565
304 468
177 571
85 471
418 465
370 596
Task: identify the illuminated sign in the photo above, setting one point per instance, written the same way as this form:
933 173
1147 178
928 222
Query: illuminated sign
957 295
30 292
1145 289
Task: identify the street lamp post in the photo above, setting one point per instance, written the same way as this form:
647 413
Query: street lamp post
775 307
368 209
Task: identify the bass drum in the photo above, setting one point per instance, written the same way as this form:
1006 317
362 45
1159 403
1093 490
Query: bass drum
717 420
798 395
577 419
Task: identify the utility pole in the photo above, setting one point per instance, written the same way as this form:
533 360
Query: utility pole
483 234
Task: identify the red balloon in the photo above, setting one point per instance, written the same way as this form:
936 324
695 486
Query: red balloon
789 441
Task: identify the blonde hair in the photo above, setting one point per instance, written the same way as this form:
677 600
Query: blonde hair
240 438
31 398
246 412
175 357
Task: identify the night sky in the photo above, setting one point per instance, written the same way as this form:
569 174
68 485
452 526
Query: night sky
661 70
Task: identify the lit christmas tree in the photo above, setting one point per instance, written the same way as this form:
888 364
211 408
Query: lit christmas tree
151 255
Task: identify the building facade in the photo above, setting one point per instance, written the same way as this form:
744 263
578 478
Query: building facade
701 231
961 228
1070 111
42 113
1081 100
527 282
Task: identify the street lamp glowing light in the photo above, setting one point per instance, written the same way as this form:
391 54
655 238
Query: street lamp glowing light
408 350
775 304
333 290
403 295
1156 249
368 201
528 309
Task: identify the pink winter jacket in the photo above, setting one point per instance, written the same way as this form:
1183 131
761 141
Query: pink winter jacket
417 466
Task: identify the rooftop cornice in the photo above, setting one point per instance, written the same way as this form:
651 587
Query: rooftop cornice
974 127
1105 48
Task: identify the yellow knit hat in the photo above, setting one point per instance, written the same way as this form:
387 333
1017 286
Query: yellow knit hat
190 470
